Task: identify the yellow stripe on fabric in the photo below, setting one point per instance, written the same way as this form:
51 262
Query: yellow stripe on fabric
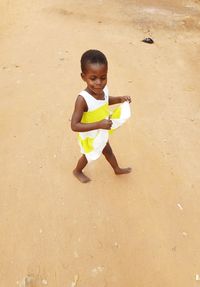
96 115
87 144
116 114
111 132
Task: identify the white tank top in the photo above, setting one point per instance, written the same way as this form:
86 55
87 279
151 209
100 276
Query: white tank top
93 103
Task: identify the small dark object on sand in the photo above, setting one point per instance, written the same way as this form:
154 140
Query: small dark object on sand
148 41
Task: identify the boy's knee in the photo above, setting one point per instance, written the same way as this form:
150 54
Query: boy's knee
107 151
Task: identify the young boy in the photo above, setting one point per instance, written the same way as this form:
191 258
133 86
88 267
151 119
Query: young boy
91 116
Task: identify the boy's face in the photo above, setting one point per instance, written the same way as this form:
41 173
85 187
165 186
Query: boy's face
95 75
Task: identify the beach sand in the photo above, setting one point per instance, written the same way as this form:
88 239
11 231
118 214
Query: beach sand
140 229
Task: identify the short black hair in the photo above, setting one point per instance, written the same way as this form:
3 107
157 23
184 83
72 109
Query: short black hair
93 57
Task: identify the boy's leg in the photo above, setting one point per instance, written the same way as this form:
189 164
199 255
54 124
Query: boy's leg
78 171
109 155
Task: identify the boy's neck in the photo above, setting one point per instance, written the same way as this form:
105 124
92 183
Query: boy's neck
99 96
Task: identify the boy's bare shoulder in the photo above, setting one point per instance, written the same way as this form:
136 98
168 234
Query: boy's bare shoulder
81 103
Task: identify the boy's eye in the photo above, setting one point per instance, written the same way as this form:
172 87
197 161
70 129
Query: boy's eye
94 78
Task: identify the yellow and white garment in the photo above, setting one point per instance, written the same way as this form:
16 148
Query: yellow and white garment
93 142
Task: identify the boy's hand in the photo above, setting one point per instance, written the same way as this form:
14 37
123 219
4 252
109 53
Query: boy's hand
125 98
105 124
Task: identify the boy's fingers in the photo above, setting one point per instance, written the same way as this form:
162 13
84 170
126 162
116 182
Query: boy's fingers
127 98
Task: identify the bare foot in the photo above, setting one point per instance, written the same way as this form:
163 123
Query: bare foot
81 176
122 170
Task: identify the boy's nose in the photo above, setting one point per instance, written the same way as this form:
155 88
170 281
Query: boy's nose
98 81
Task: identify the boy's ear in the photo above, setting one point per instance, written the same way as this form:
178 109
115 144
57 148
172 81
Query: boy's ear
83 76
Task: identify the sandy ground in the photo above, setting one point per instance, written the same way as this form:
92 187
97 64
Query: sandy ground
137 230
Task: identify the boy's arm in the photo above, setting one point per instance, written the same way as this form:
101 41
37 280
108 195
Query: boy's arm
118 100
77 126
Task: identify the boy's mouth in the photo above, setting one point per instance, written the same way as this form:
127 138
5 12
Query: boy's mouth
98 88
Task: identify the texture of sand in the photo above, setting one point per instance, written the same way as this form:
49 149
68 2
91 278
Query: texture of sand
137 230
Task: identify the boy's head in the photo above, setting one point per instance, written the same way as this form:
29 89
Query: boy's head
93 57
94 68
